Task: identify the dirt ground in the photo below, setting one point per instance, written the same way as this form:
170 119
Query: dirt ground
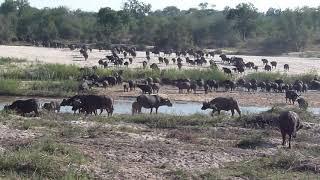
244 98
66 56
120 150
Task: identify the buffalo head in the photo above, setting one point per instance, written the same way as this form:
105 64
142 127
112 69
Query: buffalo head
64 102
205 105
166 101
6 108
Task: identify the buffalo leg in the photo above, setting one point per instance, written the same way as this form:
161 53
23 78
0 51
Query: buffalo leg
283 138
151 111
290 141
156 110
232 112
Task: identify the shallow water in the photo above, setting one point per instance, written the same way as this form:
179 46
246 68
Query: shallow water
123 106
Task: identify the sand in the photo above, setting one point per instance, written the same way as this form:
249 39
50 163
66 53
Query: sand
66 56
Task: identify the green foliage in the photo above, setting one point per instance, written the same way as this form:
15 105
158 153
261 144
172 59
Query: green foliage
245 16
271 76
49 88
9 87
7 60
275 31
45 160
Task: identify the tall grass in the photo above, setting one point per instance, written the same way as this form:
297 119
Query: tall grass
55 88
38 88
58 72
9 87
271 76
46 72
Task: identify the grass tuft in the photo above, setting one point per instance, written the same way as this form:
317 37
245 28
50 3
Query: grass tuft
44 160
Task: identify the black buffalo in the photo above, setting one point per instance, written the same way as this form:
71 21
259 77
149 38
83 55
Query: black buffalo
24 106
90 103
289 125
292 96
153 101
145 88
222 103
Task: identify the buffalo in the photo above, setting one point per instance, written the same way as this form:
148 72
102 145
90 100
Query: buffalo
136 108
273 64
303 104
222 103
23 107
153 101
267 67
289 125
184 85
145 88
292 96
52 106
90 104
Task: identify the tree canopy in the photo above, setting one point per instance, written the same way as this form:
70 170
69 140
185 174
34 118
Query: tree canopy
135 23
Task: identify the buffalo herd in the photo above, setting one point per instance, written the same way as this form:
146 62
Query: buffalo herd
150 99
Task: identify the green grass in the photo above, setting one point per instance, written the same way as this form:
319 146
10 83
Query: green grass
43 160
38 88
59 72
166 121
51 88
8 60
271 76
9 87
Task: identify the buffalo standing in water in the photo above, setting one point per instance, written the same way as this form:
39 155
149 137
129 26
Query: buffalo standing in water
153 101
222 103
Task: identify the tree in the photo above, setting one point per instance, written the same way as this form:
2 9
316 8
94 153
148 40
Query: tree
245 16
7 7
203 5
136 8
170 11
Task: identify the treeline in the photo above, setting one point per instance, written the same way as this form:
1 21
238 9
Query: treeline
274 31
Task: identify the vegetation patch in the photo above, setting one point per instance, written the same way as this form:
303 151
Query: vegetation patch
10 87
8 60
251 142
167 121
44 160
271 76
